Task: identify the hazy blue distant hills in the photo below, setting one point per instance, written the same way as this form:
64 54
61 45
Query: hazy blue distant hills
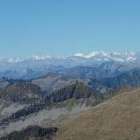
105 63
100 71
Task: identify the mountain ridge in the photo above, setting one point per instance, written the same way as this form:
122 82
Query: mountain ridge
117 118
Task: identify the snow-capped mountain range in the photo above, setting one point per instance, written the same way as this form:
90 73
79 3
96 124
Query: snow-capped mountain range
100 56
39 65
115 56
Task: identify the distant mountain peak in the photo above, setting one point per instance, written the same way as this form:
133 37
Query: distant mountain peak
115 56
95 55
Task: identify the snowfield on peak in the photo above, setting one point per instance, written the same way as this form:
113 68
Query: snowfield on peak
114 56
97 55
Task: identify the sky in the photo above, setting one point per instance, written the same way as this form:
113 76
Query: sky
64 27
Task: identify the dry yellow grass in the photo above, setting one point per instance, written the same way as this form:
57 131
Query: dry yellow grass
116 119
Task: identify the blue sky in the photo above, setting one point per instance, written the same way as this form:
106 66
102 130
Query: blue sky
63 27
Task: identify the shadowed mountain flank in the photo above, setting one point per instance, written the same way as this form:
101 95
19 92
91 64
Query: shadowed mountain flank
32 133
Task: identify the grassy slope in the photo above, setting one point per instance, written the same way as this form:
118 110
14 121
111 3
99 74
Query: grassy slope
116 119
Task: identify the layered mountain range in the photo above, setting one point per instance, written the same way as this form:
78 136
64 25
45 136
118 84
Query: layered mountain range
45 91
16 68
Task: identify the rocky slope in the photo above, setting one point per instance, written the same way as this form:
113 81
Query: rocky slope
32 133
115 119
21 91
52 98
